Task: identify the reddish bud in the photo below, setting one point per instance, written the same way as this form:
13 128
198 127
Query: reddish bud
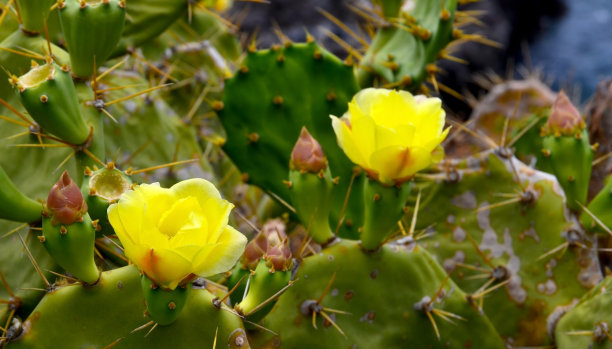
279 257
254 251
274 230
564 117
270 243
307 154
65 201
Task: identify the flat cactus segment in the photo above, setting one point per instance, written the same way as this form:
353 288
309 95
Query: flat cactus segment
91 32
146 19
20 274
14 205
97 316
490 227
402 51
49 95
18 64
34 13
270 99
587 325
376 300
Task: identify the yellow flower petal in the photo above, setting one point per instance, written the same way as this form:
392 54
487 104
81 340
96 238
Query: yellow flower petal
173 233
223 255
346 141
115 221
217 210
397 163
157 200
166 267
392 133
182 214
362 130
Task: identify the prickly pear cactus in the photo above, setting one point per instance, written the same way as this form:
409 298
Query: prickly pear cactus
340 299
167 133
262 127
587 324
496 221
53 319
404 51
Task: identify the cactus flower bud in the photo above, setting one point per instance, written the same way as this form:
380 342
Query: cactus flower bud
564 117
279 257
307 154
65 201
271 244
254 251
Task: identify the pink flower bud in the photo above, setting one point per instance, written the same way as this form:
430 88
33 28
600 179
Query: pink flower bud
274 230
564 117
279 257
65 201
254 251
307 154
272 244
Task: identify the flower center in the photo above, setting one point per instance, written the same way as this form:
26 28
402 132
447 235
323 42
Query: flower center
182 216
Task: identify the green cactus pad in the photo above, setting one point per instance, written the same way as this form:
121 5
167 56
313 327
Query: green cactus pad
147 19
100 188
19 64
72 247
263 284
91 32
14 205
163 306
401 51
48 94
21 275
600 207
113 308
380 295
570 158
532 241
33 14
310 195
270 99
590 314
384 207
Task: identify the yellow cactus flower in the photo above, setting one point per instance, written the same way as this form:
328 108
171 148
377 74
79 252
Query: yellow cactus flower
174 234
391 134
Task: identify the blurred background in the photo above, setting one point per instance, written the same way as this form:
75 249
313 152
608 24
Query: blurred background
566 44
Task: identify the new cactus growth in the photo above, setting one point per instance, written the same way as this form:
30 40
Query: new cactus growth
92 30
14 205
48 94
68 232
101 188
163 305
34 14
567 149
381 242
310 186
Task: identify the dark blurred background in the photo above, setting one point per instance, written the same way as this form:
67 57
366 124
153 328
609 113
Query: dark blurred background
569 41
